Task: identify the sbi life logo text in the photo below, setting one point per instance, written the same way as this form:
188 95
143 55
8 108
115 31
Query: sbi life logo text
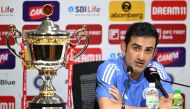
84 9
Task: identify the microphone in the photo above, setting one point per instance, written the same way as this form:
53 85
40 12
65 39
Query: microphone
158 78
129 70
152 75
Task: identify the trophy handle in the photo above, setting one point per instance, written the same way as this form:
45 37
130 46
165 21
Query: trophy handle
83 30
17 33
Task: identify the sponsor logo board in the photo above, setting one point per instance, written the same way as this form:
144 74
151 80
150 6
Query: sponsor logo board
94 31
169 10
171 33
171 56
84 10
32 10
116 33
7 59
6 11
126 10
4 29
7 102
90 54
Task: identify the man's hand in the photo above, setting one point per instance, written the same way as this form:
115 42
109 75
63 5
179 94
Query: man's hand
115 92
166 103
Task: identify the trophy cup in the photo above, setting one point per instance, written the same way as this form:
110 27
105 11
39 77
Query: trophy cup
47 46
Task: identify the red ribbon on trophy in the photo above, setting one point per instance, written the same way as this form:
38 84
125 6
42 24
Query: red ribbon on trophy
70 76
24 96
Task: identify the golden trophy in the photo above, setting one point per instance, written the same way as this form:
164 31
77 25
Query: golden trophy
47 46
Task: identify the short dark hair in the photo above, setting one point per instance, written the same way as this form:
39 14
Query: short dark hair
143 29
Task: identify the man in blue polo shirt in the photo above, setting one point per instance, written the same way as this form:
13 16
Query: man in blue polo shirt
115 85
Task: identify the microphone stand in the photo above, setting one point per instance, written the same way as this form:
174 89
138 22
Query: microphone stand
176 83
129 70
127 85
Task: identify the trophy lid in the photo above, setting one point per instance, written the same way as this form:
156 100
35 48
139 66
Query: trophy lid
47 27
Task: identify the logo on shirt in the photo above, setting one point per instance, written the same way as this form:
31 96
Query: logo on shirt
125 96
144 93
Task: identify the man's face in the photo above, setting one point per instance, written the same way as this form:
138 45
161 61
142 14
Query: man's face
139 52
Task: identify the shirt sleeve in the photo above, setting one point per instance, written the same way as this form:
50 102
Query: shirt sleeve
105 79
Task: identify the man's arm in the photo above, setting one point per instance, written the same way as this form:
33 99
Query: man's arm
107 103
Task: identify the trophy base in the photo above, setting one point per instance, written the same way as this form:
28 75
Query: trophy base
47 106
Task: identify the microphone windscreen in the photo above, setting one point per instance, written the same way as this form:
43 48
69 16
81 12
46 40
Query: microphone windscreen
151 74
130 69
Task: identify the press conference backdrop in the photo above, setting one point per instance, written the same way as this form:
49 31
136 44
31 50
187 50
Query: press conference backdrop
106 22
